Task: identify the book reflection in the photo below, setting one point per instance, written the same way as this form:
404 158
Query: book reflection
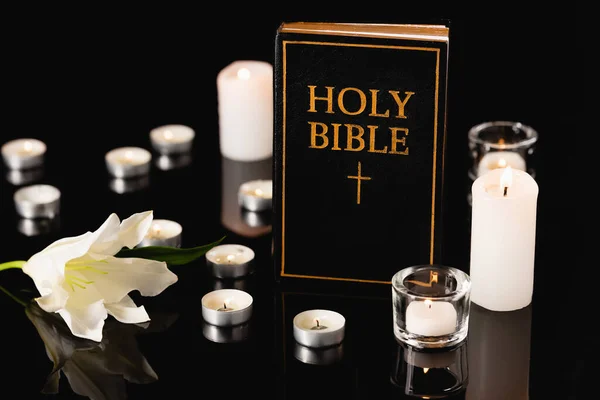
499 353
233 217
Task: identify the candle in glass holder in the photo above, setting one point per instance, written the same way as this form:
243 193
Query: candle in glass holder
162 232
23 153
500 159
503 225
127 162
245 108
37 201
172 139
227 307
256 195
230 260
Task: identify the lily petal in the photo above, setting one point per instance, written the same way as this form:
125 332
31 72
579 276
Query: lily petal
127 312
52 300
122 275
106 237
49 264
134 228
85 321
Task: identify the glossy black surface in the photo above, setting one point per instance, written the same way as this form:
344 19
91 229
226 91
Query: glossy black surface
88 84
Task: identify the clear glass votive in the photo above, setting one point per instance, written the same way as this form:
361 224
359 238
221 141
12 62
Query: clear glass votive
498 144
431 306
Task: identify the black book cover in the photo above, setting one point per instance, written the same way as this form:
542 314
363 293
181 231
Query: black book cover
360 113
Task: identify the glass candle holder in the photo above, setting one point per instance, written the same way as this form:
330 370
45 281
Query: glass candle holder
431 306
498 144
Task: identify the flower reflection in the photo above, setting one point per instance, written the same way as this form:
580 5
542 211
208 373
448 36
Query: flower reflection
96 370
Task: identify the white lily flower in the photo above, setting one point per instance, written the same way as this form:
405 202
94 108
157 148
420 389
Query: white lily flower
80 279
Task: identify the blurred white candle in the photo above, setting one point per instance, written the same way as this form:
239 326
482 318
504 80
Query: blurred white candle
245 108
23 153
500 159
172 139
37 201
163 232
256 195
127 162
503 225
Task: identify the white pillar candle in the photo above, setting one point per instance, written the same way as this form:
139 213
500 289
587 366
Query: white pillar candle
23 153
319 328
431 318
163 232
37 201
245 108
226 307
256 195
127 162
172 139
503 224
500 159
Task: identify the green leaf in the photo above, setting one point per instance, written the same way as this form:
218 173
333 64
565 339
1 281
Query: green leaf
172 255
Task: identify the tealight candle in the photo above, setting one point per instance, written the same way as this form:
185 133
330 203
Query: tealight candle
37 201
172 139
256 195
245 108
226 307
503 227
319 328
163 232
127 162
500 159
230 260
23 153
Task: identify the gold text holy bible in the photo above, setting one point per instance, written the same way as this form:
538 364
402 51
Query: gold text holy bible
360 113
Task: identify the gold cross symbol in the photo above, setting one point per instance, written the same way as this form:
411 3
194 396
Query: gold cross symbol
359 178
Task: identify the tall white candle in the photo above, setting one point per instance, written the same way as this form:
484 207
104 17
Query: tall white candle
503 224
245 108
431 318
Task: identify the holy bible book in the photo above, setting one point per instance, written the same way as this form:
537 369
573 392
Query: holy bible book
359 138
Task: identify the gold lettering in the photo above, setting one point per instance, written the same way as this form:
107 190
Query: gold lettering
336 136
363 101
372 149
314 135
402 141
401 104
374 105
350 138
328 98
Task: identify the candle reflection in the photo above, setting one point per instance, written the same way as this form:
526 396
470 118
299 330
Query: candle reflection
431 374
233 175
129 185
226 334
499 353
19 177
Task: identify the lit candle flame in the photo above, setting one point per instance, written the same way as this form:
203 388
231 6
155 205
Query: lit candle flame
27 146
129 155
428 303
506 179
258 192
243 73
501 163
168 135
230 258
425 370
156 230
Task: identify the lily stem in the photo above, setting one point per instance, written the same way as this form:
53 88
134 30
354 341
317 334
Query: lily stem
12 264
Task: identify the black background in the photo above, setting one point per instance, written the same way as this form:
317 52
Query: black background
88 80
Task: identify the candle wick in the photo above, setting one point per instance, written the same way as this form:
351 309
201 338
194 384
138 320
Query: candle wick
317 323
505 190
224 306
